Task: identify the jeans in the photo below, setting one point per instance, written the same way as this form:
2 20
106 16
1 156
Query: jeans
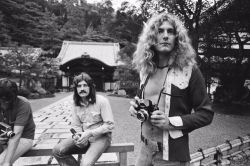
64 150
23 146
148 157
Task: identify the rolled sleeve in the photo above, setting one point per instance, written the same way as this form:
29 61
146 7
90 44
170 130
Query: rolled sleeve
175 121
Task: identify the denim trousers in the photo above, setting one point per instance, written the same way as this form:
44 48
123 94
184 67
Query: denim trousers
23 146
149 157
64 150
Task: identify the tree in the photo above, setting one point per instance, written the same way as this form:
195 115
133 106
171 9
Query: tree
127 76
4 37
19 61
106 12
28 21
228 29
127 23
27 63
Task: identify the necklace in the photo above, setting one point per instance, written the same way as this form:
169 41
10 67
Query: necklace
162 67
84 103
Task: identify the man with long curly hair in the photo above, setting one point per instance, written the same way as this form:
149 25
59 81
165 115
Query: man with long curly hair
171 80
93 121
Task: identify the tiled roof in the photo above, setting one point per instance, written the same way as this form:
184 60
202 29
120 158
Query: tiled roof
105 52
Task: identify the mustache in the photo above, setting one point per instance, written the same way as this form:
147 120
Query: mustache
82 91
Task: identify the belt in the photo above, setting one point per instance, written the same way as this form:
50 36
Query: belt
152 144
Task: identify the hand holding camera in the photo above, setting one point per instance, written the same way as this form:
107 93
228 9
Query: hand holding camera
132 110
159 119
142 108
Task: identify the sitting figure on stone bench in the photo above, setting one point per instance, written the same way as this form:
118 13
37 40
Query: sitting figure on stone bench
92 119
17 127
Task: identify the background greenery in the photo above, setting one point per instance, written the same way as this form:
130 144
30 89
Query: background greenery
212 25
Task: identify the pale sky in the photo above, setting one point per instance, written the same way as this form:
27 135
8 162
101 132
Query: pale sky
116 3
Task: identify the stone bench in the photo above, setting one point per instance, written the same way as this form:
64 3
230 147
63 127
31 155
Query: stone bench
116 155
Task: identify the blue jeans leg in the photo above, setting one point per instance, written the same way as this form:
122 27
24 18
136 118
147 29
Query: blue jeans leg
145 156
95 150
64 150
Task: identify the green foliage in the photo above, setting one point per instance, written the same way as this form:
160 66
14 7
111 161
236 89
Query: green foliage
29 23
22 91
26 63
226 27
128 78
4 37
127 23
45 24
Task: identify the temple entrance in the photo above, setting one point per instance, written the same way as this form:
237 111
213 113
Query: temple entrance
99 71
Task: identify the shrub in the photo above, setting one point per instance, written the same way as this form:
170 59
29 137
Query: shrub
131 91
24 92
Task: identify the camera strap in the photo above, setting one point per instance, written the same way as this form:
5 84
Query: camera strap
162 89
140 94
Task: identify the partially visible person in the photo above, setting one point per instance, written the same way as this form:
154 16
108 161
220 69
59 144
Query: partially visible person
15 111
93 121
171 87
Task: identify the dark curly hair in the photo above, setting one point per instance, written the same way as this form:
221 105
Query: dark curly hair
8 90
92 92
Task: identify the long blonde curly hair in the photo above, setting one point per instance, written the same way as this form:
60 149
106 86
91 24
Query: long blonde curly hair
182 55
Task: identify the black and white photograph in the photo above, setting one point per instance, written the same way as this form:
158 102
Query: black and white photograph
124 83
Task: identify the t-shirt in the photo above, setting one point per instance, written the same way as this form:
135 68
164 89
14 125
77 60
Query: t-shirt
21 115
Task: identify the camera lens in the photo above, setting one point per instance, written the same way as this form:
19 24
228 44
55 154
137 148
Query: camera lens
142 115
10 134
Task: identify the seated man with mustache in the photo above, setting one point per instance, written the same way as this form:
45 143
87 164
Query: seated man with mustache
93 121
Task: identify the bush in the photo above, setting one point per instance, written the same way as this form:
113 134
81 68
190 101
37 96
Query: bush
34 96
131 91
51 90
24 92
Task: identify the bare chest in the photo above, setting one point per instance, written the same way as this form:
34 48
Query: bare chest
155 84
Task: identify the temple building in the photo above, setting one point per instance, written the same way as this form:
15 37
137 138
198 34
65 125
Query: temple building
98 59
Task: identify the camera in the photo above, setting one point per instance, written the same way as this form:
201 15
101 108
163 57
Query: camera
6 129
145 109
